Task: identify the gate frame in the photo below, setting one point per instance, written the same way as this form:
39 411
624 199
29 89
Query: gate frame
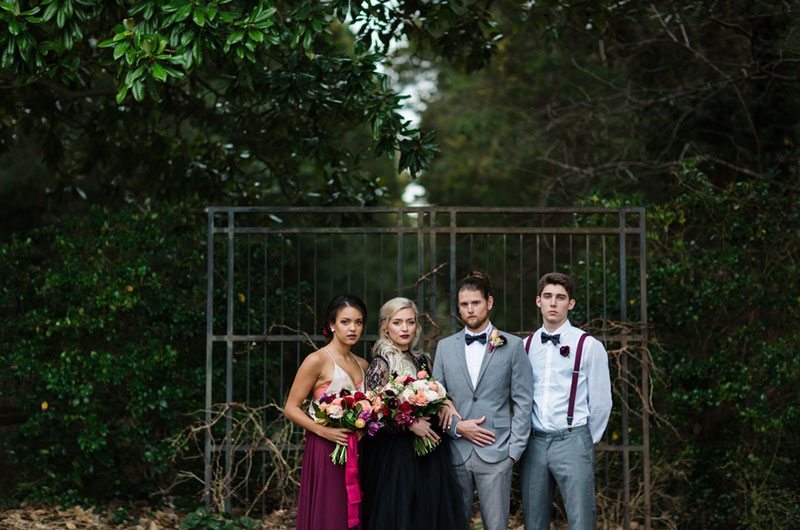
452 229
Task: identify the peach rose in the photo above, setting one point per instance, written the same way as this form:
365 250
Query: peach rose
419 399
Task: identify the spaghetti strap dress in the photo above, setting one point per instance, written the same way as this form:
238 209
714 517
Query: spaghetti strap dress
322 501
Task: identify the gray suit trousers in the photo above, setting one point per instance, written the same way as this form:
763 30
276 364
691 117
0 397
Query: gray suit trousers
565 459
493 482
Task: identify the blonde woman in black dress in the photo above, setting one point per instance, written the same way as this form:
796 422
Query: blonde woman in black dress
401 490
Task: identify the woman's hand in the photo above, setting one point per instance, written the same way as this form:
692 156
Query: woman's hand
446 414
335 435
422 428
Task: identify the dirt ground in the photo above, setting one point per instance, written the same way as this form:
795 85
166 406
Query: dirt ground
34 517
81 518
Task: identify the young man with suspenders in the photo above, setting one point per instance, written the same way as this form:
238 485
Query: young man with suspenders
571 406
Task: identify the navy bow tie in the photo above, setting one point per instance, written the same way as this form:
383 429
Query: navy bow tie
469 339
552 338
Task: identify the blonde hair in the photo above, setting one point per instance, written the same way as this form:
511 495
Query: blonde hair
384 347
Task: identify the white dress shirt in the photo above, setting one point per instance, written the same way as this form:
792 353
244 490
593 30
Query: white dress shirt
552 379
475 353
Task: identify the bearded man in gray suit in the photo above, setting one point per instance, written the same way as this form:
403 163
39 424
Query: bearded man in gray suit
489 381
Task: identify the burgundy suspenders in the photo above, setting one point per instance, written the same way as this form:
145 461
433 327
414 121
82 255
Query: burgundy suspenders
574 388
575 372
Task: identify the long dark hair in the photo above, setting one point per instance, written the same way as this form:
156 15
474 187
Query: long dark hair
476 280
338 303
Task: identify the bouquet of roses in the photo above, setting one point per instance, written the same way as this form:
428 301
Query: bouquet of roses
406 398
349 411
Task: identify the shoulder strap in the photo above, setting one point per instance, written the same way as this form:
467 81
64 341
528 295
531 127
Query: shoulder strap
337 367
363 375
528 343
574 388
325 349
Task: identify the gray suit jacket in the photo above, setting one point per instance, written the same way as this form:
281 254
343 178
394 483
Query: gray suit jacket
504 394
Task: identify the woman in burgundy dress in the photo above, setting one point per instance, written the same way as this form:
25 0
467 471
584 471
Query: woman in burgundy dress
323 500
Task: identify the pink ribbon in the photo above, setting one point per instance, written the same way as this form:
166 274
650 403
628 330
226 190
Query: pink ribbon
351 482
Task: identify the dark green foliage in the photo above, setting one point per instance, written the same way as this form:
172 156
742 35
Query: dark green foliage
722 299
205 521
605 96
724 286
223 100
103 323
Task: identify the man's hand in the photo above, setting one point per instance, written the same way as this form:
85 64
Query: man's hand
470 430
446 414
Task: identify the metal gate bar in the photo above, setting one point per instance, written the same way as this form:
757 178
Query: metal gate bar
279 242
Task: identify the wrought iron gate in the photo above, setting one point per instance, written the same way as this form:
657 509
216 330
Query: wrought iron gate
271 271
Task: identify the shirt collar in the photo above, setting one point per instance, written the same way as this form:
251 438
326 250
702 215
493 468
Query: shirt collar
563 328
488 330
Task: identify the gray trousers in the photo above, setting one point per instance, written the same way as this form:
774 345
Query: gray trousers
493 483
565 459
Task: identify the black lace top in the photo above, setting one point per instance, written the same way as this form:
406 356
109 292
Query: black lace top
378 371
378 375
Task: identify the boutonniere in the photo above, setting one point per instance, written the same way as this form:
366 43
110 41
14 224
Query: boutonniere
496 340
564 351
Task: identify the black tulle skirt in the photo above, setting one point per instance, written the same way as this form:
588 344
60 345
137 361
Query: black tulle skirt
403 491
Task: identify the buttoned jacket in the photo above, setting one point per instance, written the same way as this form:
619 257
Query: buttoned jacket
503 394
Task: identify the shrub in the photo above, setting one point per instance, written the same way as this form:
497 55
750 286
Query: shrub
723 291
103 347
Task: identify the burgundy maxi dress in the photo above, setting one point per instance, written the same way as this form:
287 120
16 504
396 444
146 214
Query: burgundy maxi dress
323 502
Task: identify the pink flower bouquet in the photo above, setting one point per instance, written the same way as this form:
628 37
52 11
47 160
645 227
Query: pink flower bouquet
407 398
348 411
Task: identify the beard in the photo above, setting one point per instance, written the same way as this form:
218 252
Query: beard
478 323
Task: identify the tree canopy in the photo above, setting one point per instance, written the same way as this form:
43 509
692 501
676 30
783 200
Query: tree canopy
224 100
606 97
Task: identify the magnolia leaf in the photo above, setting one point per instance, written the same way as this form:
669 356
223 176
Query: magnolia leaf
158 72
120 49
236 36
121 93
138 90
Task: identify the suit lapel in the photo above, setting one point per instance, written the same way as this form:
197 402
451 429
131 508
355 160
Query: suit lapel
487 358
461 356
